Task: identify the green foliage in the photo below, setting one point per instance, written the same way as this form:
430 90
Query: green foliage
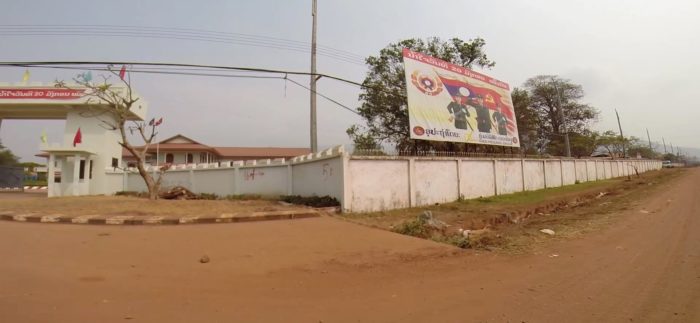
415 228
313 201
456 240
7 158
544 94
384 106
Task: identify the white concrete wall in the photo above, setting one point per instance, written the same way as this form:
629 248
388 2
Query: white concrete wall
435 181
385 183
263 180
377 184
477 179
318 175
509 176
568 172
581 171
552 170
534 178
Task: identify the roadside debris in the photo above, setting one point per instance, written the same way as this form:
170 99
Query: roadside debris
547 231
178 193
433 222
601 194
644 211
204 259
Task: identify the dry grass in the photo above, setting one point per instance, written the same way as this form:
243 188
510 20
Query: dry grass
122 205
549 208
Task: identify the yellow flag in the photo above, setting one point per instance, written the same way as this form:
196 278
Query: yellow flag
25 77
43 137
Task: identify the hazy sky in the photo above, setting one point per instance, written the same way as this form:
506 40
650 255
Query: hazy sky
640 57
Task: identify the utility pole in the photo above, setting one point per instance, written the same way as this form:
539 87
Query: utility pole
671 148
649 138
314 138
622 137
664 141
561 117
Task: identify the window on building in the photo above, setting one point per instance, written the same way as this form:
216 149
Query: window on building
115 162
90 169
203 157
169 158
82 169
190 158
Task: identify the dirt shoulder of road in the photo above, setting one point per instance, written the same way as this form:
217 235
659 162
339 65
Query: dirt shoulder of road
123 205
512 222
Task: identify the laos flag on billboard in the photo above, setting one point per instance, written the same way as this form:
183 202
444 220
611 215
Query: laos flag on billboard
447 102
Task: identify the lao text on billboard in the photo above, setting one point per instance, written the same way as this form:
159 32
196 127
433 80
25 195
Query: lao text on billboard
447 102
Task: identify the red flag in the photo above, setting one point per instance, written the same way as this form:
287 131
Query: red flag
122 72
78 138
159 122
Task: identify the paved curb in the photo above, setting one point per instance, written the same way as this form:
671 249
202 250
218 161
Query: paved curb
157 220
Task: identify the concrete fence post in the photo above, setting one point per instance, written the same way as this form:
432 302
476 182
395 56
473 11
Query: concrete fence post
544 172
495 178
459 178
561 171
522 172
290 180
411 182
236 176
193 186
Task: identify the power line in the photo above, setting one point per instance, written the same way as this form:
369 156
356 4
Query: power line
169 29
219 67
161 33
180 72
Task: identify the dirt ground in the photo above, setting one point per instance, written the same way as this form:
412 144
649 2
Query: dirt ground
125 205
644 267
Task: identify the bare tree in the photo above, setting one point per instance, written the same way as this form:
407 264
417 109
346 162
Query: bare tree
120 101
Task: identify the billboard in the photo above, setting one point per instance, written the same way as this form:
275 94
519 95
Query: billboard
447 102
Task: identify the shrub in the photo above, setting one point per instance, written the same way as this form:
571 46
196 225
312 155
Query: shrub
313 201
415 228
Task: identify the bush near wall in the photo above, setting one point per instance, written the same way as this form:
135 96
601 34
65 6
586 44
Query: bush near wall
313 201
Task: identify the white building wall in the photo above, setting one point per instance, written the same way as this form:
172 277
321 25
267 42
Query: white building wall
581 171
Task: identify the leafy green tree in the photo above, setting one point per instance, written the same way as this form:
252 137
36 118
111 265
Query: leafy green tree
528 123
613 143
638 147
583 144
7 158
545 92
384 105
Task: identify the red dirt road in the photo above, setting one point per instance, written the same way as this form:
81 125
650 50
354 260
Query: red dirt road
645 268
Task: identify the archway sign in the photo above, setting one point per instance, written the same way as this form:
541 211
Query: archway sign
77 164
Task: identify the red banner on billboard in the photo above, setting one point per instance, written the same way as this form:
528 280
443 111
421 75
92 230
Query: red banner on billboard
39 93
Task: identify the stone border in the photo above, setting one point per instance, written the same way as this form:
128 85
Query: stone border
156 219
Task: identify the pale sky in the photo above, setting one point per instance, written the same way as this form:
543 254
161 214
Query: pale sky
640 57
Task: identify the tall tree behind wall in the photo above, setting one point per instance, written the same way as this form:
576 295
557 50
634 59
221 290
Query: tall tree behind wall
547 95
